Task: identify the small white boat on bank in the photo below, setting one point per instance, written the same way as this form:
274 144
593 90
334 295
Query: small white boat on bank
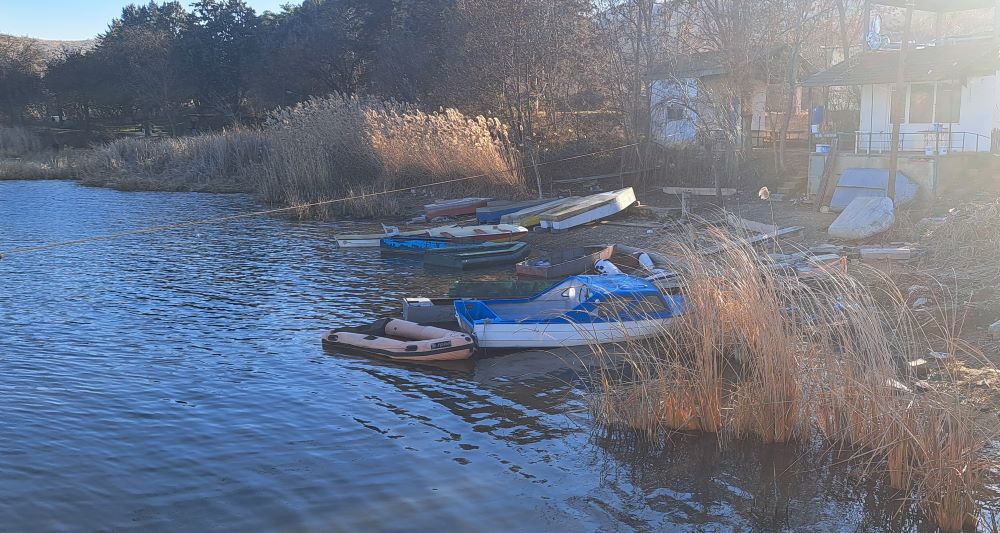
588 209
454 233
372 240
480 233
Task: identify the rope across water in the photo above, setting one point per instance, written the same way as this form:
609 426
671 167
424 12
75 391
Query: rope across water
227 218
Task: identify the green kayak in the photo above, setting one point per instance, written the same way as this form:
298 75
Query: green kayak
490 254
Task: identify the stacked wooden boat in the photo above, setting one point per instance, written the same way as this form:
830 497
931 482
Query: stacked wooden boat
588 209
494 211
566 213
454 208
530 216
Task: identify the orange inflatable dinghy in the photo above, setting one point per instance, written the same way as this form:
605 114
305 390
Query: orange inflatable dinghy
402 340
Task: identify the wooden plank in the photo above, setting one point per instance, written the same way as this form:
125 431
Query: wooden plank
749 225
899 253
647 225
755 240
827 183
698 191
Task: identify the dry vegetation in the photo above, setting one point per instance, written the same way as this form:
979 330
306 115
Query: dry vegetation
323 149
17 142
759 354
22 157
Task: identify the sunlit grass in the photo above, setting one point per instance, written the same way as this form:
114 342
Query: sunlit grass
765 355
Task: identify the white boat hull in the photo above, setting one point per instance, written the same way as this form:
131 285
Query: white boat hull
373 240
553 335
620 203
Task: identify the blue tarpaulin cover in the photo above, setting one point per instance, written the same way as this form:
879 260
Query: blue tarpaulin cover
870 182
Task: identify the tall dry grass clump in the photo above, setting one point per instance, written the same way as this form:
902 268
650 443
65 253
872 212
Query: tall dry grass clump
765 354
23 157
17 142
212 162
330 147
320 150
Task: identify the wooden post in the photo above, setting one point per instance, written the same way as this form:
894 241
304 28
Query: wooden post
900 93
538 177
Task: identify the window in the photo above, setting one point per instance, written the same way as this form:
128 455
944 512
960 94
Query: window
921 103
949 103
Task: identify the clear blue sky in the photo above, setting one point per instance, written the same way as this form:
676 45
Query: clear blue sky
78 19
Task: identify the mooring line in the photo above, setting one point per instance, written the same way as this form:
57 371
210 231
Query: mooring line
206 221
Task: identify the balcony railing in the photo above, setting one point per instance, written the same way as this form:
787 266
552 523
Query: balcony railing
928 142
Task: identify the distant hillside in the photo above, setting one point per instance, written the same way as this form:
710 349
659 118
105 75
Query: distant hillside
53 48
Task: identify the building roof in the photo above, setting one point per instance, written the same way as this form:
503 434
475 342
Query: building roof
696 65
929 63
713 63
939 6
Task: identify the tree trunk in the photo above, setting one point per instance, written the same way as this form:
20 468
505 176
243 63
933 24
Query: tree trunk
793 75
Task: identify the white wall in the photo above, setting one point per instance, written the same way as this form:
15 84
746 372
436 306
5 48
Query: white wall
699 110
979 114
664 94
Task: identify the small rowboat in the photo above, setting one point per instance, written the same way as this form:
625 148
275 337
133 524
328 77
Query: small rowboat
420 245
454 208
529 217
588 209
495 232
371 240
581 310
564 263
402 341
485 255
494 211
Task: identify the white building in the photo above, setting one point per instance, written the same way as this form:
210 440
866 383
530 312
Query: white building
951 102
692 97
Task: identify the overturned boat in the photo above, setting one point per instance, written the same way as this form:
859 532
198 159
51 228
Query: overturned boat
454 208
588 209
402 341
581 310
494 211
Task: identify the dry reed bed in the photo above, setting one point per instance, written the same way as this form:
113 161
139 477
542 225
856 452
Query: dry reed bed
758 354
323 149
17 141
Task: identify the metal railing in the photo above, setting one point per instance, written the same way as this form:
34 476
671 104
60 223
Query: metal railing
929 142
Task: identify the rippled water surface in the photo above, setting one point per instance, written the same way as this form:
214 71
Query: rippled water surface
175 381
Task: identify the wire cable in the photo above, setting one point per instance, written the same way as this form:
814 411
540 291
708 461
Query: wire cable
228 218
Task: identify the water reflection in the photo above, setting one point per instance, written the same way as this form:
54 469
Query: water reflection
176 381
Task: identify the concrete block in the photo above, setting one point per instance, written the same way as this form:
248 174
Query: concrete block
863 218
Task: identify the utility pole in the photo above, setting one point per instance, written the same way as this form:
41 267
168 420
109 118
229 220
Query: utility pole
897 119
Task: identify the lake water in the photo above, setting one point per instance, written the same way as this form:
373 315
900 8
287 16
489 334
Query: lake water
175 381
